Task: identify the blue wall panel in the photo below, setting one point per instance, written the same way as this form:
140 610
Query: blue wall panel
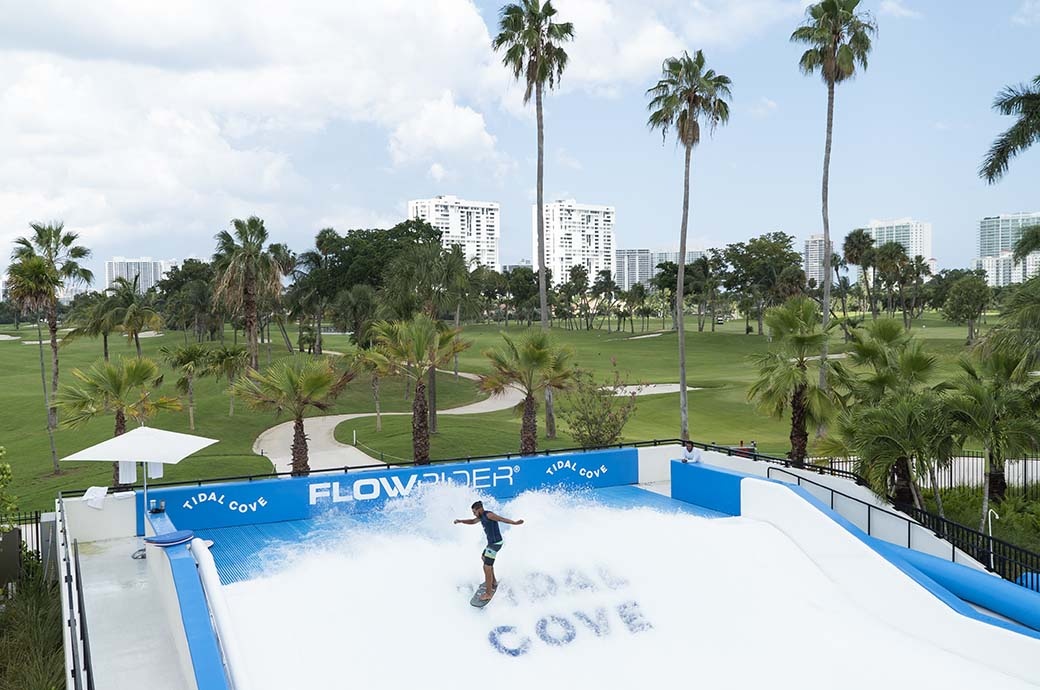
295 498
708 486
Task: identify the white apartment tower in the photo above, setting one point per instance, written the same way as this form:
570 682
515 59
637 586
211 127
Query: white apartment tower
149 271
812 260
914 235
633 266
997 238
575 234
474 225
666 256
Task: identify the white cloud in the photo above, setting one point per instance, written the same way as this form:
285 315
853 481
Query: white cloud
437 172
1028 13
133 118
566 160
441 126
619 41
942 126
764 107
895 8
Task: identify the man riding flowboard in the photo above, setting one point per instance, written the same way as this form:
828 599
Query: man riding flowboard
489 521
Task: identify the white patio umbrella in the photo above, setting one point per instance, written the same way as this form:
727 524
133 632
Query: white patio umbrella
144 444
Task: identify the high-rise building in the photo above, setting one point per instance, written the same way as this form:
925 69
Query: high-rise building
633 266
523 263
997 238
149 271
812 260
474 225
914 235
664 257
575 235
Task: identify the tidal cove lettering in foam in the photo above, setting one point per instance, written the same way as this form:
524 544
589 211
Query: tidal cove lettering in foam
559 629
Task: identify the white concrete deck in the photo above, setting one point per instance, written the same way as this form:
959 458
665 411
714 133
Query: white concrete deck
130 643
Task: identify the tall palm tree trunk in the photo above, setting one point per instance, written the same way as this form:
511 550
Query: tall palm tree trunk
684 411
104 344
249 309
827 231
120 429
543 298
458 315
529 428
137 343
300 465
231 406
285 336
191 403
317 339
420 426
432 396
799 435
375 398
52 327
46 398
543 295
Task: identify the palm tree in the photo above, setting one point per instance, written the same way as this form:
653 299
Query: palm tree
378 367
784 383
132 312
530 366
838 38
1018 333
1024 102
191 362
415 348
96 319
293 385
124 388
247 272
890 361
62 255
992 406
854 249
285 259
894 443
687 97
228 362
1027 243
532 39
32 286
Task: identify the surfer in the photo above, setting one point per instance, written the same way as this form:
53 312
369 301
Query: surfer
489 521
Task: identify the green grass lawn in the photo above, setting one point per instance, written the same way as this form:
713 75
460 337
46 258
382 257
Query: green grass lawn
718 363
23 418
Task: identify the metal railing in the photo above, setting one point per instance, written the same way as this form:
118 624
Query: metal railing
871 521
81 671
968 470
1007 560
28 523
1011 562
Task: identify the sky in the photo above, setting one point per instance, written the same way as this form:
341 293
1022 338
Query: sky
146 127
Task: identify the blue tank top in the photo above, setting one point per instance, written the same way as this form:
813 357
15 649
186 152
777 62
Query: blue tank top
494 534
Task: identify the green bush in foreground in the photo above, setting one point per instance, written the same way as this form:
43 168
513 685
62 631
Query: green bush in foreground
31 652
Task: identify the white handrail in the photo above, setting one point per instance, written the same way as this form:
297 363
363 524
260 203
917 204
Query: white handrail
233 660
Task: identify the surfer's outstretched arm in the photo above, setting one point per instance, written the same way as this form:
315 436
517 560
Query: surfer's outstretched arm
470 521
500 518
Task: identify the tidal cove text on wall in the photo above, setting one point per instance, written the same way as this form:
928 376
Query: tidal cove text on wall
296 498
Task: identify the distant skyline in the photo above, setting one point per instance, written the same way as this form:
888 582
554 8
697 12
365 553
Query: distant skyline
323 114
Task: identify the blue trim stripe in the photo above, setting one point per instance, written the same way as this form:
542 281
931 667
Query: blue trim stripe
941 593
206 658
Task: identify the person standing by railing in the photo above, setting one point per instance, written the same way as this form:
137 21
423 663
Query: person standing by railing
691 454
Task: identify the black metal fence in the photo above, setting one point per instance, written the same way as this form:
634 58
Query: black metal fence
1007 560
28 524
968 469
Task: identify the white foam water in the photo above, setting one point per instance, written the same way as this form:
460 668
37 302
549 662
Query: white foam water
591 597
